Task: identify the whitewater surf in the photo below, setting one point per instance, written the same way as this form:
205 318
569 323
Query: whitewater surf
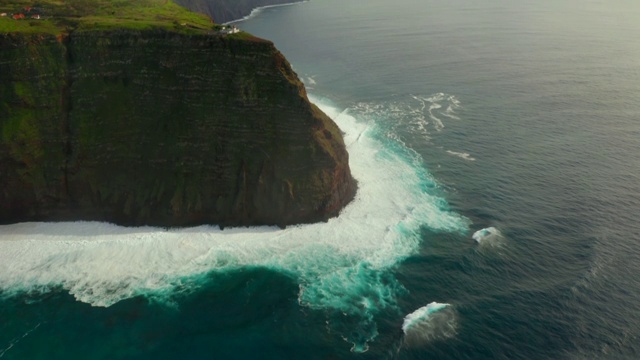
341 266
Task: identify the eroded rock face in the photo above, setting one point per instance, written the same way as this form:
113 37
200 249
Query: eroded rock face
162 129
223 11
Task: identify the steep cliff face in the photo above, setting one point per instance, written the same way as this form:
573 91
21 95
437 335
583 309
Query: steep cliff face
223 11
160 128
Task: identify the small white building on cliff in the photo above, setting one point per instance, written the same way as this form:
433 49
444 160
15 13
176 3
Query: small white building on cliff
229 29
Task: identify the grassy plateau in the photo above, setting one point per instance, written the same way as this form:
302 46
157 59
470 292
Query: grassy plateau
63 16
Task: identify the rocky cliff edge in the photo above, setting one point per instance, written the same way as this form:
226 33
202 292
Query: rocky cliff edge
157 127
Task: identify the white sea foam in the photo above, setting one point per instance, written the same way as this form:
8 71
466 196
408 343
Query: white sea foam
416 114
16 340
311 80
255 12
434 321
437 101
341 265
485 235
450 113
462 155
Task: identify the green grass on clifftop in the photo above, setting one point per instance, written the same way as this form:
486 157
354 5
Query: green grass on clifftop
62 16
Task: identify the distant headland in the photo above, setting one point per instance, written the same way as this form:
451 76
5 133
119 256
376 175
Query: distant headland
224 11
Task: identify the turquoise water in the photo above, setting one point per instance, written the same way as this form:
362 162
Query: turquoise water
520 118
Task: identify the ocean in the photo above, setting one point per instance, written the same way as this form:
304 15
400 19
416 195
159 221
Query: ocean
496 145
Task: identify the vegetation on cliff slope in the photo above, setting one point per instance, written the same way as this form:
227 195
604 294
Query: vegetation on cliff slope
134 120
56 17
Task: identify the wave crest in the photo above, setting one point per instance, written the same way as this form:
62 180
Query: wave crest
434 321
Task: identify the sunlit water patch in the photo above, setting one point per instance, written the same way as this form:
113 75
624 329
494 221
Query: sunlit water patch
342 267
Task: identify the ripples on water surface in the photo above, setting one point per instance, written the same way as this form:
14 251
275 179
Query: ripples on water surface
460 116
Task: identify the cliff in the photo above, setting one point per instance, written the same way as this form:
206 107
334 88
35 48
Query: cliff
223 11
162 127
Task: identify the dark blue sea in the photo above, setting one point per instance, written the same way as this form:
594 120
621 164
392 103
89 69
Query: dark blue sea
497 148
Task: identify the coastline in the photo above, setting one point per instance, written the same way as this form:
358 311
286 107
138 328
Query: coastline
256 11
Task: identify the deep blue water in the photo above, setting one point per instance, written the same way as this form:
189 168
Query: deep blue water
518 115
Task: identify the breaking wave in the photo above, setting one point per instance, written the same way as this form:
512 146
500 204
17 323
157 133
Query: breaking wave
434 321
485 235
342 267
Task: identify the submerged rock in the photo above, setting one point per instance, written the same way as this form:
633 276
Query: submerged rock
162 128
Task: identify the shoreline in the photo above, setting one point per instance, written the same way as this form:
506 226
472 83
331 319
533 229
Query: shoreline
254 12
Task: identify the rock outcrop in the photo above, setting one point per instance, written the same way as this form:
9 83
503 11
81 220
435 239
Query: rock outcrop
160 128
223 11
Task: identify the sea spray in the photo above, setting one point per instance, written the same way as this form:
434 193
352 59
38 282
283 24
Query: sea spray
342 267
